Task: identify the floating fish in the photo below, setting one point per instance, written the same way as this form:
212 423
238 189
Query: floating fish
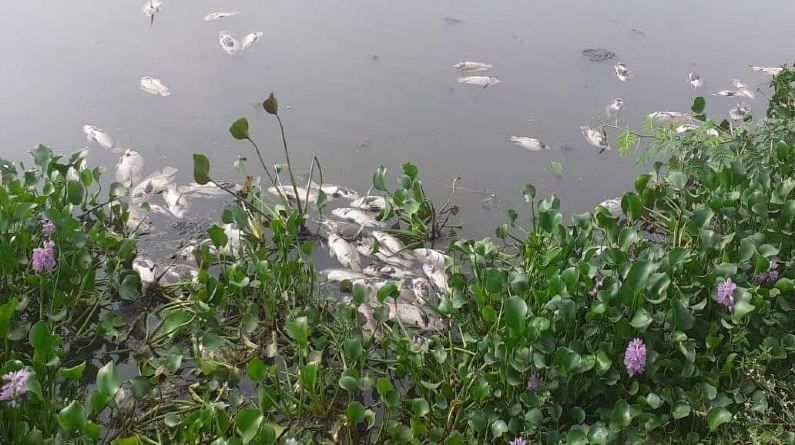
177 204
154 86
695 81
154 184
209 190
712 132
336 191
743 89
771 71
531 144
596 138
615 107
598 54
726 93
146 270
623 72
345 253
422 289
228 42
472 66
219 15
249 39
99 136
369 203
430 256
452 20
342 275
129 167
388 242
367 248
613 206
667 117
436 276
355 215
684 128
481 81
740 112
138 221
345 229
152 7
387 272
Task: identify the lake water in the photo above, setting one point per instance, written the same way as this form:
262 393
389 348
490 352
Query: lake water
370 82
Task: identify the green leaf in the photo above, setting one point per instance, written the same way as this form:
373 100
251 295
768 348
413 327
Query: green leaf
218 236
717 417
355 412
73 416
39 335
529 192
515 315
117 190
349 383
677 179
379 179
175 320
298 330
498 428
239 129
481 389
626 141
621 414
681 409
603 362
247 423
256 369
576 436
683 319
74 192
6 315
641 320
420 407
108 380
130 289
654 400
698 105
271 105
201 169
390 289
74 372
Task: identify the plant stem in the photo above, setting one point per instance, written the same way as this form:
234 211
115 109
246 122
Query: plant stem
289 166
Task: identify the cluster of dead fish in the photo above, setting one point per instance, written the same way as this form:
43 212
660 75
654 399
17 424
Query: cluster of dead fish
145 191
467 68
370 256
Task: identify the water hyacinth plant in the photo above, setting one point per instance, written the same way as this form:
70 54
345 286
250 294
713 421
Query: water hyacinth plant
612 328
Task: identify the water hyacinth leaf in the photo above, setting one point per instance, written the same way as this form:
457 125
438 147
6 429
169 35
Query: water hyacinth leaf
353 349
677 179
247 423
74 372
576 436
698 105
355 412
420 407
654 400
239 129
621 414
682 317
201 169
498 428
130 289
175 320
72 416
603 362
108 379
481 389
298 330
598 434
74 192
641 320
390 289
218 236
529 192
256 369
6 315
717 417
379 179
349 383
117 190
681 409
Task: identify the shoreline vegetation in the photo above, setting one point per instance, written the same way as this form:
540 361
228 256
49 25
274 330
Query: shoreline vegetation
664 316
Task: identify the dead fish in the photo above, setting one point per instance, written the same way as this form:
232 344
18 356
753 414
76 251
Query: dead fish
598 54
342 275
615 106
249 39
209 190
345 229
228 42
613 206
771 71
219 15
481 81
684 128
431 256
743 89
531 144
623 72
336 191
152 7
129 167
667 117
100 136
436 276
740 112
147 271
472 66
726 93
154 86
388 242
452 20
422 289
712 132
344 252
367 246
138 221
152 185
369 203
695 81
409 315
177 204
355 215
596 138
387 272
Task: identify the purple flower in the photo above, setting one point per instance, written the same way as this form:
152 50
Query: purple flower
44 257
15 386
533 382
635 357
725 294
47 228
769 276
518 441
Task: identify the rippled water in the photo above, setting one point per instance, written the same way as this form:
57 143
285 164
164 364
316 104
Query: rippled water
66 64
